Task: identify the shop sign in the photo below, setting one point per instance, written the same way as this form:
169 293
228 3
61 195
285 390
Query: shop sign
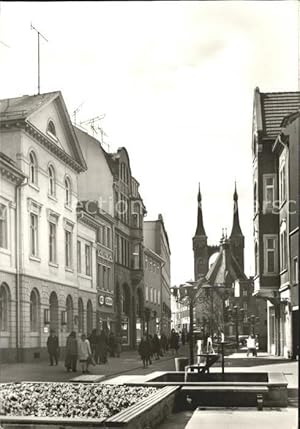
101 299
108 301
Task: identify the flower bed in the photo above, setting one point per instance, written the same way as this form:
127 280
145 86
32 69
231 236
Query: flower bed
68 400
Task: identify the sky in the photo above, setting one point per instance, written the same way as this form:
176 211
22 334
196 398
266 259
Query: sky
175 81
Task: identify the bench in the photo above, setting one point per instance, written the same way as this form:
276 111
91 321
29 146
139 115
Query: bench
127 417
259 391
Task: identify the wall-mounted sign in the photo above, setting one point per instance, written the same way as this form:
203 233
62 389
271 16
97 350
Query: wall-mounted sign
101 299
108 301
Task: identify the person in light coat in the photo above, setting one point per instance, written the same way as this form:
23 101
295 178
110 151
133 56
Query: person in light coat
84 353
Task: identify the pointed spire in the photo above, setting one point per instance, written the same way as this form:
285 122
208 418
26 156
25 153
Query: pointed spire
236 229
200 228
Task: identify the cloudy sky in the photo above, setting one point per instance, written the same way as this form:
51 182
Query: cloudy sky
176 82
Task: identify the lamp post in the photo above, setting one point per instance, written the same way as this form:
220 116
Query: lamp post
147 318
253 321
236 316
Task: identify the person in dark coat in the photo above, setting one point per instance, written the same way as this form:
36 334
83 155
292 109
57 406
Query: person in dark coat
93 341
174 341
112 344
71 352
103 347
156 346
163 342
144 351
53 347
150 342
183 337
118 345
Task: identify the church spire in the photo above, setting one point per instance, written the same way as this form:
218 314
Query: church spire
236 229
200 228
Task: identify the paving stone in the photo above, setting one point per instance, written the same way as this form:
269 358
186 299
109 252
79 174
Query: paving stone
88 378
275 418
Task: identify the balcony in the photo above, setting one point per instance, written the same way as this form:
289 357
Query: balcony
136 233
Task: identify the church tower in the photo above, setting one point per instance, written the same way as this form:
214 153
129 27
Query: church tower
237 239
200 247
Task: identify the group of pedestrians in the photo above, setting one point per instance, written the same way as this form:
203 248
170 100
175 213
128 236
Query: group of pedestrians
93 349
153 347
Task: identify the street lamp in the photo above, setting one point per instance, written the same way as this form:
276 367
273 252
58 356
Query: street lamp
147 318
237 316
253 321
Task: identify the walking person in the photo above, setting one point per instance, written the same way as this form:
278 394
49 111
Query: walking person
163 343
103 346
156 346
112 344
84 353
53 347
118 345
93 341
144 351
174 342
183 337
251 346
71 352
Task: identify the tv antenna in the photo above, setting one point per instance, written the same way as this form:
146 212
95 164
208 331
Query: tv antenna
77 110
4 44
93 123
38 34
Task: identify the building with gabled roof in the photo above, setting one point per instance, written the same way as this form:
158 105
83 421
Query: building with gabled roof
39 287
275 157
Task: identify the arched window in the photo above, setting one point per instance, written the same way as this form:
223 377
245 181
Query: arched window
68 191
51 128
80 316
51 178
32 168
89 317
255 198
4 307
69 306
34 311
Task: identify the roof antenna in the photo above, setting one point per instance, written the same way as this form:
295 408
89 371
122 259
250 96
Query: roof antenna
39 34
76 111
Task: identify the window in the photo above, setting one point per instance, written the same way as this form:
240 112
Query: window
51 183
282 183
68 192
269 192
34 311
255 198
151 294
136 255
80 316
79 256
52 242
99 269
108 237
32 168
87 259
33 234
69 308
256 259
108 271
51 128
3 226
146 293
104 277
68 248
295 271
270 254
283 249
4 308
158 297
